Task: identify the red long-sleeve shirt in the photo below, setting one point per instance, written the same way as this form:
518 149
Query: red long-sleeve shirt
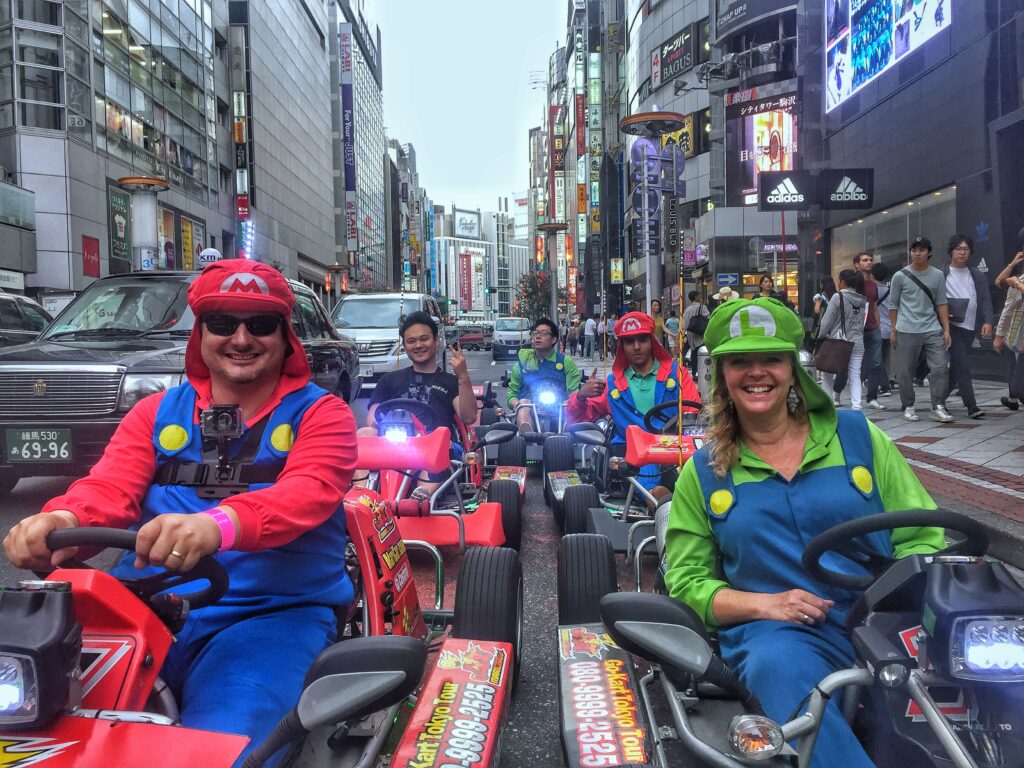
310 488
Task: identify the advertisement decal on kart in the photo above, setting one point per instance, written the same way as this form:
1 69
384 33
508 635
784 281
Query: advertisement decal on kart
460 710
950 701
561 480
16 752
100 655
383 523
600 705
511 473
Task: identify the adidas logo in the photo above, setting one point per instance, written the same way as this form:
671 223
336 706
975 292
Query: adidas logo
848 191
786 192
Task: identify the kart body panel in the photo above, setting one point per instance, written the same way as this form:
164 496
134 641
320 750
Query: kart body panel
460 711
602 716
664 450
80 742
482 526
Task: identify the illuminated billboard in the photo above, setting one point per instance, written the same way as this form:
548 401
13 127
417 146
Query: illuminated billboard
761 135
864 38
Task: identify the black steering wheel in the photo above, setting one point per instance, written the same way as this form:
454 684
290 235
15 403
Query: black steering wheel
417 408
207 568
842 539
668 423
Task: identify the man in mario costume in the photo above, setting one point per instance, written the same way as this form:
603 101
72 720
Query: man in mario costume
276 524
643 376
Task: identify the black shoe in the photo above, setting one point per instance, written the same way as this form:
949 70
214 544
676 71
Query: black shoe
918 382
977 413
1010 402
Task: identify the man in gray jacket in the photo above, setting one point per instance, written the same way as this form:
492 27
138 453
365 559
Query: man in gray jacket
919 312
970 313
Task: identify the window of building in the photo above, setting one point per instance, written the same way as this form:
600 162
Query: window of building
35 47
41 116
39 11
38 84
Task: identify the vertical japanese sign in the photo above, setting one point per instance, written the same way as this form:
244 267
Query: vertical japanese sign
90 256
465 281
119 222
348 139
165 229
187 255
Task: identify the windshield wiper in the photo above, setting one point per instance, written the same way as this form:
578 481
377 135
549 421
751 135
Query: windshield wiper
96 332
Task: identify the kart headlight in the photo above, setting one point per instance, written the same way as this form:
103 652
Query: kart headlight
547 397
754 737
987 648
396 434
40 646
137 386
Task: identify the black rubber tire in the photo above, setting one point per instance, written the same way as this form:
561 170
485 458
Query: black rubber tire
489 599
576 501
586 573
7 482
488 416
513 452
344 390
558 457
506 493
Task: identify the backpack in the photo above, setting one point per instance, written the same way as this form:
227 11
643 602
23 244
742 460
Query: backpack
698 324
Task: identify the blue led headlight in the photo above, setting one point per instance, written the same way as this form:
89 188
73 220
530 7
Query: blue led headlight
547 397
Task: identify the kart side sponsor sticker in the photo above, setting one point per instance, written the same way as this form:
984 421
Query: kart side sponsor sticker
511 473
562 480
383 521
601 718
402 576
951 704
458 716
16 752
394 553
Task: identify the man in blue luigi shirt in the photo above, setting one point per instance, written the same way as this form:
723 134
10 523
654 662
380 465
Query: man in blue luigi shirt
542 376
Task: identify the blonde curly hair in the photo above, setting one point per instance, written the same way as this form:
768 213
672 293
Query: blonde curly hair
723 433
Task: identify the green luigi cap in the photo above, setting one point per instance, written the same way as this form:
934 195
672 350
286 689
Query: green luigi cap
758 325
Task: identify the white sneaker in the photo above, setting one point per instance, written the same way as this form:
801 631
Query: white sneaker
939 413
909 415
837 401
876 405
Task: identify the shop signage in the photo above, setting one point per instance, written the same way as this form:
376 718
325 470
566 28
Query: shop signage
847 188
90 256
786 191
676 55
238 103
656 68
242 207
617 270
119 223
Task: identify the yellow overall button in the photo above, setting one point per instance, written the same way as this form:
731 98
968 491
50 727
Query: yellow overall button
862 479
282 437
173 437
721 502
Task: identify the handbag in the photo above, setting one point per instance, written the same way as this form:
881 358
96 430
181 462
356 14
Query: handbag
832 354
698 324
957 309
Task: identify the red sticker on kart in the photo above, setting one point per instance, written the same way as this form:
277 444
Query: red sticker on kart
383 522
511 473
954 709
459 713
601 720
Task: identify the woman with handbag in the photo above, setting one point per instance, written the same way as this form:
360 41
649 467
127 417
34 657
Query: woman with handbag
842 337
1010 334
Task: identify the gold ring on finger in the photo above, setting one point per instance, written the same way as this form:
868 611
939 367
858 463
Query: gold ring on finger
177 554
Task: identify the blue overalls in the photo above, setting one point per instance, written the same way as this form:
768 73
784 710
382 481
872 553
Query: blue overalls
238 665
549 375
761 530
624 412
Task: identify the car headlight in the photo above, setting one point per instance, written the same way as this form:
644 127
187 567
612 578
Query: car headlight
987 648
547 397
137 386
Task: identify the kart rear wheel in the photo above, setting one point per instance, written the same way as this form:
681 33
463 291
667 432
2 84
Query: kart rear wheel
576 502
506 493
513 452
488 416
489 599
558 457
586 573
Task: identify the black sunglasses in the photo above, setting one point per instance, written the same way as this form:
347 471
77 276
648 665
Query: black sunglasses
257 325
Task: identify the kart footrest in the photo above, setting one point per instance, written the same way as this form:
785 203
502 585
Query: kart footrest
599 521
412 508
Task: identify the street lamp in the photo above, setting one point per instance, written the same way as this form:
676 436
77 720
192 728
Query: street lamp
550 229
650 125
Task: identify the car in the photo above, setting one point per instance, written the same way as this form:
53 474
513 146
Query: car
123 338
510 335
372 319
21 319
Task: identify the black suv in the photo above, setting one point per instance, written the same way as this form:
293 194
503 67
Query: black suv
63 395
21 319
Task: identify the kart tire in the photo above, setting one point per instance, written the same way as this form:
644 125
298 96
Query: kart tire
506 493
558 457
8 480
513 452
489 599
586 573
576 503
488 416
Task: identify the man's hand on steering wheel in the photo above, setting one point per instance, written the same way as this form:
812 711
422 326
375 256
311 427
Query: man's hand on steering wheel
25 544
176 542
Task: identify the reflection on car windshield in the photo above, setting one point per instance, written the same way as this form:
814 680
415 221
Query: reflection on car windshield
370 313
128 307
512 324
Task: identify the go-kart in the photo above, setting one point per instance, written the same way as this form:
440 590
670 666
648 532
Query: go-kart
938 680
605 480
80 655
475 503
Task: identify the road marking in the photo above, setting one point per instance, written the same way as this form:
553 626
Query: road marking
966 478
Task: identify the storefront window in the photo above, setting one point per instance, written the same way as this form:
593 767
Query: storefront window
885 234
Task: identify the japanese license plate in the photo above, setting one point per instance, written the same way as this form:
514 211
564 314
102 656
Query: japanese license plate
365 371
47 445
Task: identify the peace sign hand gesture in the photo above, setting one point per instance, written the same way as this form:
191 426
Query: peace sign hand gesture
457 360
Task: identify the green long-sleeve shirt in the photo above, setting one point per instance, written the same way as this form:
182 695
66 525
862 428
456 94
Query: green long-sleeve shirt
692 553
528 360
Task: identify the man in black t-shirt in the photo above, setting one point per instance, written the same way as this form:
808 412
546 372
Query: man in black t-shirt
439 390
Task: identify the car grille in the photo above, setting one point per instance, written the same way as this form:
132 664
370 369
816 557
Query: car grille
375 348
73 393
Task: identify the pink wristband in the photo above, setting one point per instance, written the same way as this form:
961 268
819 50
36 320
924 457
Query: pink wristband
227 529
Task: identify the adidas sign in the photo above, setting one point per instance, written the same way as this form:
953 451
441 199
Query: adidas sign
849 192
786 192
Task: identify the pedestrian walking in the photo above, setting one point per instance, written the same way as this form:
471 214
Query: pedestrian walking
672 331
920 320
826 290
844 319
872 365
589 332
695 327
970 314
1010 335
572 338
600 338
881 274
610 331
659 321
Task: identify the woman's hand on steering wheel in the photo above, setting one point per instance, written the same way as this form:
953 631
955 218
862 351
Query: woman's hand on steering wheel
795 606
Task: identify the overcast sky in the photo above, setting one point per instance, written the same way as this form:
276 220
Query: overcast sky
457 86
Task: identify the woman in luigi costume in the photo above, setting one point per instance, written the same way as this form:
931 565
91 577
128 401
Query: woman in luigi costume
781 466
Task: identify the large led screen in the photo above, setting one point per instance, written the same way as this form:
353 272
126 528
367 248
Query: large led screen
866 37
760 135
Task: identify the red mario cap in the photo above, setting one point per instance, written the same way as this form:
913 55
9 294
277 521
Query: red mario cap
240 285
634 324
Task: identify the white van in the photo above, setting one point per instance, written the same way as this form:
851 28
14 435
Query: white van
510 335
372 319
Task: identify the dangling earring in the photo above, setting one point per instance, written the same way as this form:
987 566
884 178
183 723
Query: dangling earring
792 399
